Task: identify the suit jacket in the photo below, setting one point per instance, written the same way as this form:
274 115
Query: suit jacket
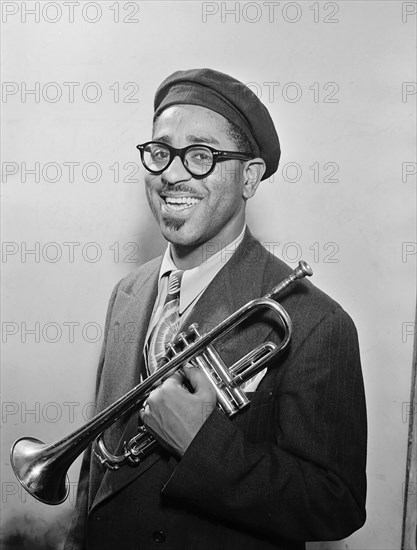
290 468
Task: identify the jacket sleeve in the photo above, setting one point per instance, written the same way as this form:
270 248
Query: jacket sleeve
309 482
76 535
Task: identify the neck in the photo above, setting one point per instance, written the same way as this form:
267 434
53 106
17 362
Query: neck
187 257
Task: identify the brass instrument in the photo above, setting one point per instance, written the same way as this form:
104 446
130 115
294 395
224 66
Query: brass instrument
42 469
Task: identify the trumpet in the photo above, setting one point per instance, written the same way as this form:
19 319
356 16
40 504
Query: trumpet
42 469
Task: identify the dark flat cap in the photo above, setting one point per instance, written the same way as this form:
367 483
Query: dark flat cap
228 97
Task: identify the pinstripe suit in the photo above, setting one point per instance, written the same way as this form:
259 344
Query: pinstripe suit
288 469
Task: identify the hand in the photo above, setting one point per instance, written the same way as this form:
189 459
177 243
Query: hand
173 414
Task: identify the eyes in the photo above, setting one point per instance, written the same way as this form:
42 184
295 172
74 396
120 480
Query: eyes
202 156
160 154
196 155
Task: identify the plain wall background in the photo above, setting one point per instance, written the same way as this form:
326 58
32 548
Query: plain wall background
354 231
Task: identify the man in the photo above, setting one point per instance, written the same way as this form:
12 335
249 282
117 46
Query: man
290 467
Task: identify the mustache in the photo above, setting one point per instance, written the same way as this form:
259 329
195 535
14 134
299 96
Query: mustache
179 188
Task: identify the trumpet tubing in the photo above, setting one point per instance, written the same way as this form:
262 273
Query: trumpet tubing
42 469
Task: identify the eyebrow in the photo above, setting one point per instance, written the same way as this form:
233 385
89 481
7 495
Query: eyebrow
191 138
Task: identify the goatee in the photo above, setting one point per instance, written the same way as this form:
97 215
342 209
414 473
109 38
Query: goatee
172 223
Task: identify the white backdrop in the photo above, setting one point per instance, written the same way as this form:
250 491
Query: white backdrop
78 84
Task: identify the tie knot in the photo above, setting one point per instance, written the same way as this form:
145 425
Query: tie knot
174 283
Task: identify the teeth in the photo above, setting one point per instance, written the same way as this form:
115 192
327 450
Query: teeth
180 203
182 200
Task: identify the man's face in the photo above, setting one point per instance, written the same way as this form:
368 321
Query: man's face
212 208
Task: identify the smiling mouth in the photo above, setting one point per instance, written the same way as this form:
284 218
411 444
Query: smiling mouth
180 203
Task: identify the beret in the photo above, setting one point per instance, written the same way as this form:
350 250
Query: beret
228 97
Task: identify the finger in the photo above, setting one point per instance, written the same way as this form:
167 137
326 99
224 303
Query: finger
196 378
178 376
171 384
144 409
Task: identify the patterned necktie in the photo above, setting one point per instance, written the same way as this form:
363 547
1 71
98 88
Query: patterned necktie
168 323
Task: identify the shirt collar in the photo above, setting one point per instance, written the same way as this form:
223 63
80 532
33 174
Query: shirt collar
195 281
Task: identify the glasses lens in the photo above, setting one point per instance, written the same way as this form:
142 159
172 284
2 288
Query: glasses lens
199 160
156 157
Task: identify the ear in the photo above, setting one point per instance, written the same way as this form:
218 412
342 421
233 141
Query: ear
252 174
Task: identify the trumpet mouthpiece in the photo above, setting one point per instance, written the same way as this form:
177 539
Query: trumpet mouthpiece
303 270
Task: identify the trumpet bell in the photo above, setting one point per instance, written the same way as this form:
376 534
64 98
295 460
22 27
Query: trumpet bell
35 466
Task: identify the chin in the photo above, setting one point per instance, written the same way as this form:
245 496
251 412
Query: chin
173 224
173 229
177 234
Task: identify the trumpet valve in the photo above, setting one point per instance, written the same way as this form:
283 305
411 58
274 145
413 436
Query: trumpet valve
182 341
194 329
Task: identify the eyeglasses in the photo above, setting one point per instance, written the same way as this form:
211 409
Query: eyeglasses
198 160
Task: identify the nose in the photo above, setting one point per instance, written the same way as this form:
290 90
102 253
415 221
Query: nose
176 172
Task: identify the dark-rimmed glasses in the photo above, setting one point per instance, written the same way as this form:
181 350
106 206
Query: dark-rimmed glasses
198 160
